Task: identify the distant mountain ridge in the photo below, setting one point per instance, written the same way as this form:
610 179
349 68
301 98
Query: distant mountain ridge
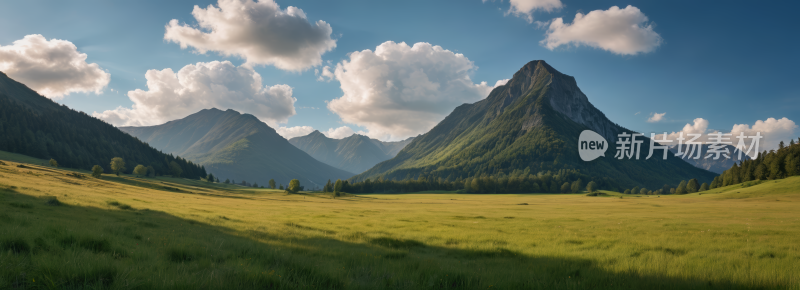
34 125
237 146
717 166
356 153
531 124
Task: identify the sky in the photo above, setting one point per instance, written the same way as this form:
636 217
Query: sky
394 69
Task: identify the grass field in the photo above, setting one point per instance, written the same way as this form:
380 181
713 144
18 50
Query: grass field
168 233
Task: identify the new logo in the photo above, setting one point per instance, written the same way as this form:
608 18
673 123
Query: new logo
591 145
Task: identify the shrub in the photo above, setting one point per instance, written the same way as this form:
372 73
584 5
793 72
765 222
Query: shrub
51 200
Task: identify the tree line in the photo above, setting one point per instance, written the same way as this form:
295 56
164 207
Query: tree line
518 181
775 164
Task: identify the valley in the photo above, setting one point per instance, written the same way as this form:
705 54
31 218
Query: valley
165 233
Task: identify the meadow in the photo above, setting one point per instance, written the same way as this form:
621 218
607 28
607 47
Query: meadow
63 229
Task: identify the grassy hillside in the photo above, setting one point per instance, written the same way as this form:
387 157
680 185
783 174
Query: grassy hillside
530 124
168 233
34 125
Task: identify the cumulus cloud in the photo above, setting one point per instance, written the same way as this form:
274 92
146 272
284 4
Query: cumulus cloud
54 68
398 91
525 8
621 31
656 117
260 32
296 131
215 84
339 133
773 131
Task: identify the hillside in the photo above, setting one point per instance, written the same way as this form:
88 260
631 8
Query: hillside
33 125
238 147
530 124
356 153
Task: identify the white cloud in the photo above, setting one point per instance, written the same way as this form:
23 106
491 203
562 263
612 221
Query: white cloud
339 133
621 31
656 117
53 68
398 91
296 131
260 32
501 83
199 86
773 131
525 8
326 75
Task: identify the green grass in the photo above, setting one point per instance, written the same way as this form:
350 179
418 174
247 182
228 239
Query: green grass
213 236
8 156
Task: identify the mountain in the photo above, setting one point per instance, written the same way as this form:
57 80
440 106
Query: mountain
356 153
717 166
237 146
34 125
530 124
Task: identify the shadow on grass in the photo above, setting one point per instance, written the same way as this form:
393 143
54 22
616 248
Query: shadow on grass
111 249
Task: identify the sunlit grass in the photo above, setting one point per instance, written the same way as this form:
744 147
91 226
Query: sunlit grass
128 232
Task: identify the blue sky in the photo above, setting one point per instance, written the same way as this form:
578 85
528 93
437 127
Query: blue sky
728 63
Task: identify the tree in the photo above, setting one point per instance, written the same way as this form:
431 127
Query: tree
337 187
117 165
281 186
97 171
681 188
53 162
761 172
272 183
140 170
175 169
210 177
704 187
627 191
151 171
565 188
692 186
635 190
591 187
255 184
227 181
294 186
576 185
643 191
791 164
